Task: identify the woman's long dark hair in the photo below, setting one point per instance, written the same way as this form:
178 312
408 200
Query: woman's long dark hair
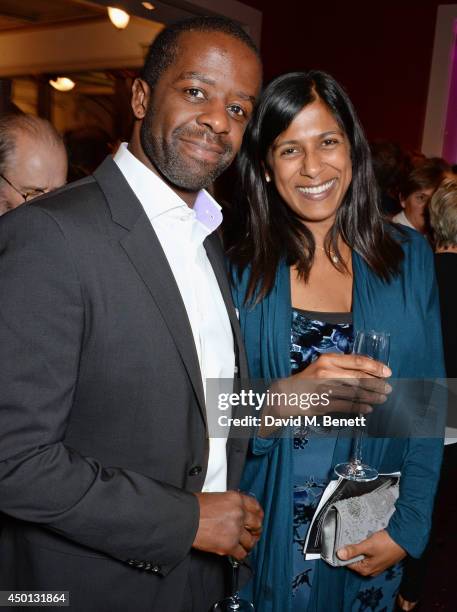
262 229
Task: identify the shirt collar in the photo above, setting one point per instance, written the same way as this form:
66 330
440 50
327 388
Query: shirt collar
145 182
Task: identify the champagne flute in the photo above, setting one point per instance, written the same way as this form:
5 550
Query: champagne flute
234 603
377 346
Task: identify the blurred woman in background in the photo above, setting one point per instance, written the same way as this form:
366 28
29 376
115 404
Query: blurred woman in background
443 221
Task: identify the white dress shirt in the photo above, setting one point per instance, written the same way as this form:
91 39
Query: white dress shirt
181 232
403 219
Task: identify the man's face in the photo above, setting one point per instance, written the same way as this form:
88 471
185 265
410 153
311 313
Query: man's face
199 109
37 166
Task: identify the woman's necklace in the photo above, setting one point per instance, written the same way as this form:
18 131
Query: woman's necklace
333 256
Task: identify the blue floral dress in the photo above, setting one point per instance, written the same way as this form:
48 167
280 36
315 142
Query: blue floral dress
312 334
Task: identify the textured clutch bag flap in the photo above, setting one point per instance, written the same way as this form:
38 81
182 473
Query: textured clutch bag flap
349 521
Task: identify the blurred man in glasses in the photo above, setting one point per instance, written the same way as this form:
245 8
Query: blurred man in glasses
33 159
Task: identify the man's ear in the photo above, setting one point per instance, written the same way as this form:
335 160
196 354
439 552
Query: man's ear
402 201
141 94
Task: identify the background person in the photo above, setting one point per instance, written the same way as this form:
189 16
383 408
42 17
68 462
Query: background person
313 261
415 194
33 159
443 221
390 165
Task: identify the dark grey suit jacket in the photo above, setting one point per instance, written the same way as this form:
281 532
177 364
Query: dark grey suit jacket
103 433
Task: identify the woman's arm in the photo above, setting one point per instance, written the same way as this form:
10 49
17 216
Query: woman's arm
409 527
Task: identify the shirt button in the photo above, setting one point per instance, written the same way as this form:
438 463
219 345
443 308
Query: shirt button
195 471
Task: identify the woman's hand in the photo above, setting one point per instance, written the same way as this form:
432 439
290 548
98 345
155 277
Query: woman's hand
380 553
353 383
332 383
337 365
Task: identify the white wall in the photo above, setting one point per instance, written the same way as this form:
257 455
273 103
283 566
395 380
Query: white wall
440 81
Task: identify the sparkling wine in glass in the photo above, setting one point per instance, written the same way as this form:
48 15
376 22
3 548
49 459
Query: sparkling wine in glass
377 346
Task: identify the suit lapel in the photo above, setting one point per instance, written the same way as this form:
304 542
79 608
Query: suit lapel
145 252
214 251
236 446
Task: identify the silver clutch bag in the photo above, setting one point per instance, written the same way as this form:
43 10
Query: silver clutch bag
351 520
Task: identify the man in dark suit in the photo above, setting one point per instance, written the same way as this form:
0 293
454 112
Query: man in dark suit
115 308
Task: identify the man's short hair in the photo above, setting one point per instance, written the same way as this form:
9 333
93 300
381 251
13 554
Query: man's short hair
163 49
36 127
443 213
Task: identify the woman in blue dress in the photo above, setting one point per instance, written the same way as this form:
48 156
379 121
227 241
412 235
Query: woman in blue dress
313 261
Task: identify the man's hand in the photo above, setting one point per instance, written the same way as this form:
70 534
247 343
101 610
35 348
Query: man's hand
380 553
230 523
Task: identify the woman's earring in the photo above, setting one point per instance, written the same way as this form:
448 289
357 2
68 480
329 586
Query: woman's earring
267 178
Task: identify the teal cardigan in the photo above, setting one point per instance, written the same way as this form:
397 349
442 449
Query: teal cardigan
408 308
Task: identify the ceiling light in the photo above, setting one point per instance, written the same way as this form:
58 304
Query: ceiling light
119 18
62 84
148 6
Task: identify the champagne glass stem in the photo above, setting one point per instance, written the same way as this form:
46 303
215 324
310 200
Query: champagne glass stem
235 578
358 439
377 346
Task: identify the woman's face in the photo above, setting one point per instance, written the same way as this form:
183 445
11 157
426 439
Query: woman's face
415 206
310 164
